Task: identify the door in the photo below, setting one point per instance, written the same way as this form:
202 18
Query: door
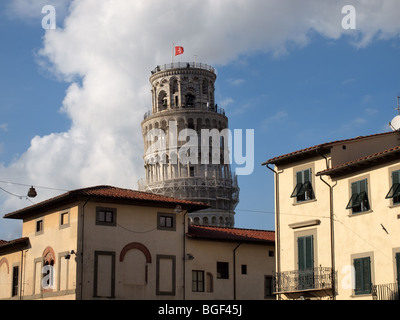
305 250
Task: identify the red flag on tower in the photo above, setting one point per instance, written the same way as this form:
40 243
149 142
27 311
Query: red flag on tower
178 50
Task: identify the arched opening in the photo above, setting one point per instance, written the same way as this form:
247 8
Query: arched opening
189 100
162 101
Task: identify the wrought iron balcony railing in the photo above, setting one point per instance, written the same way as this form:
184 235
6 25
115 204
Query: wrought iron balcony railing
319 278
388 291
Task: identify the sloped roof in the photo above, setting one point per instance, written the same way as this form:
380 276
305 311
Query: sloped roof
230 234
317 149
370 160
108 194
13 245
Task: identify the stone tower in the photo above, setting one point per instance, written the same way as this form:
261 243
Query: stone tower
183 99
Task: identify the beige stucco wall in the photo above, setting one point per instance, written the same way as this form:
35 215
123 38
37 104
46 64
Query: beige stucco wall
61 240
131 259
361 234
135 224
7 262
248 286
56 240
292 212
356 235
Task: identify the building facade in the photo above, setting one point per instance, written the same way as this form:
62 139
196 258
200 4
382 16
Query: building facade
186 143
337 219
110 243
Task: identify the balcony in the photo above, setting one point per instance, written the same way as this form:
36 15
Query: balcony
195 107
385 291
316 282
180 65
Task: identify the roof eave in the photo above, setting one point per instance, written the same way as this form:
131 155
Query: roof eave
302 155
69 198
360 165
209 238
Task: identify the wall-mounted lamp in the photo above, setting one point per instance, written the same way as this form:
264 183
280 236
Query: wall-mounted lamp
189 256
68 255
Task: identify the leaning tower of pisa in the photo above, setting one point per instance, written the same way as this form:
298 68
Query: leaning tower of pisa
183 113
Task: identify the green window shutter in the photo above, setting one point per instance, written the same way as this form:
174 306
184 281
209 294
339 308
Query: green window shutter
296 190
307 175
300 252
398 267
367 275
362 268
355 188
357 269
396 176
309 252
363 186
303 190
359 196
299 177
305 252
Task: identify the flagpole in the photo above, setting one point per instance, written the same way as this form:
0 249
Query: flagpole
173 45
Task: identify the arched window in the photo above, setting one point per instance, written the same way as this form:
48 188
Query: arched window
136 258
162 101
48 281
190 99
204 87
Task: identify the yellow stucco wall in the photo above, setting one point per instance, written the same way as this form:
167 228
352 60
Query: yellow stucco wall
257 258
356 235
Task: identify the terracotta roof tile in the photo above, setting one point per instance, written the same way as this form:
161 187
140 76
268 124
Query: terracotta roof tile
319 147
231 234
109 193
361 161
12 245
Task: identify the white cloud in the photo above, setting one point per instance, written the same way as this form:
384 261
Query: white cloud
4 127
235 82
111 46
347 81
276 117
31 10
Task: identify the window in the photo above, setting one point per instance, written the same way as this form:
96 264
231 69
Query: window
394 192
362 267
106 216
64 220
271 253
268 287
398 268
39 226
15 281
166 221
305 255
303 190
359 197
244 268
197 281
222 270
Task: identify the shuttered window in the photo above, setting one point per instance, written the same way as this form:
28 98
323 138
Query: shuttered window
394 192
303 190
359 197
305 251
362 267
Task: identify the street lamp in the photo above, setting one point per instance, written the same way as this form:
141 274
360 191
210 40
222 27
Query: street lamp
32 192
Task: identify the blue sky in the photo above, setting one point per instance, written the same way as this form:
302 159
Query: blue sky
296 83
